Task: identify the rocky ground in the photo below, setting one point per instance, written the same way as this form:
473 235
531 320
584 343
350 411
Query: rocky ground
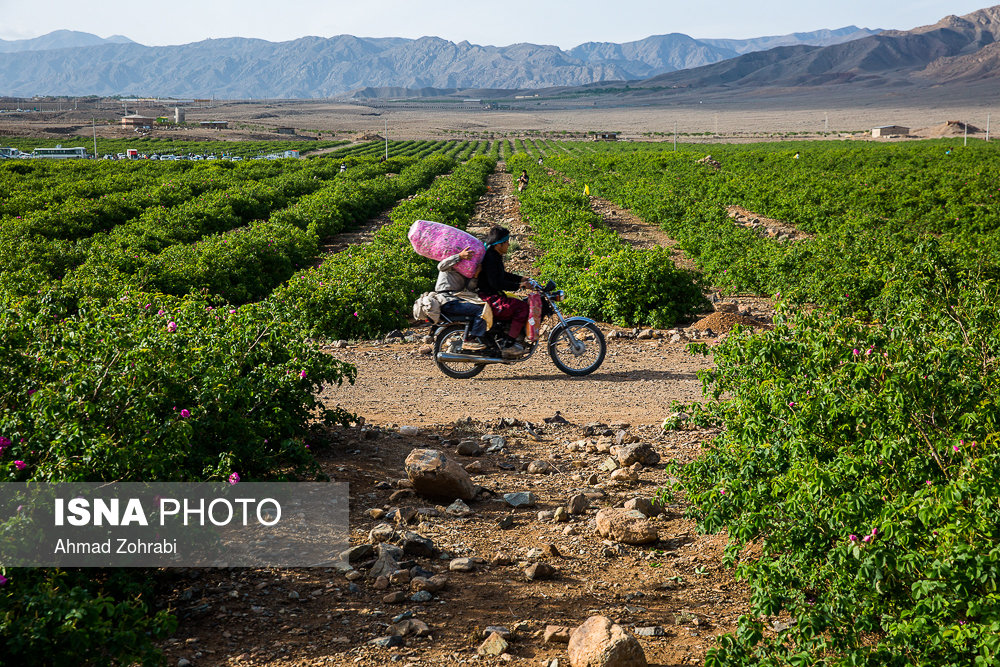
563 514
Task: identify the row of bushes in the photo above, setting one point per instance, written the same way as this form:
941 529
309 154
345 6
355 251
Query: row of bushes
869 207
145 387
861 459
605 278
368 290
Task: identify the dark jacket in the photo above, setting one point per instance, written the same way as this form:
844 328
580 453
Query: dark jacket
493 278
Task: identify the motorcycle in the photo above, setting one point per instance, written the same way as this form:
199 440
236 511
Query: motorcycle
575 344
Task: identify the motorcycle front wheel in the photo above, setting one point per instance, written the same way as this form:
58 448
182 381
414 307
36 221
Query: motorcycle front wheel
577 348
449 340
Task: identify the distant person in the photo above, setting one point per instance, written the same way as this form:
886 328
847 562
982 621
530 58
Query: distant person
539 162
522 181
343 167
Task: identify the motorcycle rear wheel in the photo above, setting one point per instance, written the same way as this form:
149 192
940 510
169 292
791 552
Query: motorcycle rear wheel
450 340
584 360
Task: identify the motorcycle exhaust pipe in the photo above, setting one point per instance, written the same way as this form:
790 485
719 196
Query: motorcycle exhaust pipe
471 359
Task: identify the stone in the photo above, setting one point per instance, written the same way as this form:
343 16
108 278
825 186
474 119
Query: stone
506 522
353 575
537 571
494 443
396 597
474 468
435 475
462 565
556 634
626 526
469 448
416 544
539 468
392 641
609 464
409 430
358 553
651 631
458 508
411 626
637 452
403 515
399 577
384 566
494 645
646 334
551 550
570 531
561 515
593 479
400 495
600 643
421 596
376 513
183 662
383 532
624 475
578 504
381 583
429 584
500 558
647 506
499 629
425 350
520 499
546 515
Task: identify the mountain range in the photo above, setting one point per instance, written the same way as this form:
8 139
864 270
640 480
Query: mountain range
77 64
957 56
59 39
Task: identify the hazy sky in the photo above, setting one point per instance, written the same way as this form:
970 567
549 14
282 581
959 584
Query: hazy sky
564 23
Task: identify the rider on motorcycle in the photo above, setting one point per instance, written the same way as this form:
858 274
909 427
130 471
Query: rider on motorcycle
451 284
494 280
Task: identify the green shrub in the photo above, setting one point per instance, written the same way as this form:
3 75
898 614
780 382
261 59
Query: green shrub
863 458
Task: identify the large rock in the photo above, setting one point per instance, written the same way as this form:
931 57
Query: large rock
434 475
601 643
520 499
639 452
626 526
494 645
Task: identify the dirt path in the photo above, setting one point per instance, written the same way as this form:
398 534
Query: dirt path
636 232
674 594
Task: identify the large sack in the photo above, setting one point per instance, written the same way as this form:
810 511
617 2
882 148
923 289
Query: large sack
437 241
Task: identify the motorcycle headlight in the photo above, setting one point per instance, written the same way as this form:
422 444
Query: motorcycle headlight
558 295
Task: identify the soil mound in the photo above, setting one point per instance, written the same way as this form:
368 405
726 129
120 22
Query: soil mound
949 128
726 322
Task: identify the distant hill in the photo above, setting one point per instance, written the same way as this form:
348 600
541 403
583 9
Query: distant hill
955 50
815 38
316 67
60 39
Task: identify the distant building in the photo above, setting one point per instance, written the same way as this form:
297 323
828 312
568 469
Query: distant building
135 120
285 130
606 136
215 124
178 115
887 130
